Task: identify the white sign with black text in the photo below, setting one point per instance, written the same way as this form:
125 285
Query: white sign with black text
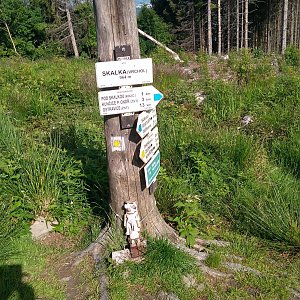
127 99
149 145
124 72
146 121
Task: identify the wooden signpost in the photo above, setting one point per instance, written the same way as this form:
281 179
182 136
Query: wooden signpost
129 178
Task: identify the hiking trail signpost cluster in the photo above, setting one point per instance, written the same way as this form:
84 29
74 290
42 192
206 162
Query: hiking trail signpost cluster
119 94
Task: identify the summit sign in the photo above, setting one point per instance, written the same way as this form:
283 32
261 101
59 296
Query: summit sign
124 72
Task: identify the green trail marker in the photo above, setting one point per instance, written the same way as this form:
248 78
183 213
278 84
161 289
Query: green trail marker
152 169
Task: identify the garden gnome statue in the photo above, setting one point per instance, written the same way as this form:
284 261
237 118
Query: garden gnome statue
133 228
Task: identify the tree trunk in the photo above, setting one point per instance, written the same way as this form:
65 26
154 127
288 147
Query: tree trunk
11 39
296 39
242 25
292 23
279 31
284 28
237 25
71 31
149 37
228 27
219 29
193 27
116 25
269 29
209 34
246 22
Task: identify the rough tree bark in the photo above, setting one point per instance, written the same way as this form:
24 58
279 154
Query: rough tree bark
174 54
11 39
237 25
246 23
209 29
116 25
228 27
71 31
284 28
219 29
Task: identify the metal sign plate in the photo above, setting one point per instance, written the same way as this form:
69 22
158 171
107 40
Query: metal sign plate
128 100
152 169
146 121
123 52
124 72
149 145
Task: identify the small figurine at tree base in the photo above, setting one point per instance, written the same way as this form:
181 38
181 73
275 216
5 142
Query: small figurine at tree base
133 227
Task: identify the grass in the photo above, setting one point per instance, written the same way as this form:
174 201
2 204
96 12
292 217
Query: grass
162 269
242 180
29 274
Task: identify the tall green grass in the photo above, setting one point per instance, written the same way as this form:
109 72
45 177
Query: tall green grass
40 180
208 152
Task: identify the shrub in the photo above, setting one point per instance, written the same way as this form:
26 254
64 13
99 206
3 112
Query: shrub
292 56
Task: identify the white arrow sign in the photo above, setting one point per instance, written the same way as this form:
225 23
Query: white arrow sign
128 100
146 121
149 145
124 72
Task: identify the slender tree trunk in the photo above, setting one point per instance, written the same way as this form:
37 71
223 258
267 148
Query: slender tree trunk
116 25
246 22
279 31
219 29
149 37
292 23
209 30
11 39
228 26
202 31
237 25
193 27
71 31
284 29
296 24
242 24
269 29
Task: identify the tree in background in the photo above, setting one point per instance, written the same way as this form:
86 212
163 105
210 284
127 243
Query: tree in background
218 26
23 28
152 24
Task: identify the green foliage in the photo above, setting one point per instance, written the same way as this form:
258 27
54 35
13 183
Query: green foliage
271 209
189 217
85 29
7 232
214 260
26 25
292 56
152 24
286 151
162 269
163 258
242 64
41 181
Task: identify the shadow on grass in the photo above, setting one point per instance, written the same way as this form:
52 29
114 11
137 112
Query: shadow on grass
94 163
11 284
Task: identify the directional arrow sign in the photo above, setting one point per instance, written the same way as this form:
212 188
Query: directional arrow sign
149 145
146 121
124 72
128 100
152 169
